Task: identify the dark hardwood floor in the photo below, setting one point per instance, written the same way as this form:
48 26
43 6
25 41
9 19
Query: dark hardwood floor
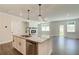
65 46
7 49
61 46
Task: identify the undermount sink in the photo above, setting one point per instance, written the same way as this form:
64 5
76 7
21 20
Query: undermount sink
25 35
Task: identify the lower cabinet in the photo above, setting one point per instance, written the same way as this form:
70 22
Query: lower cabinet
19 44
24 46
31 48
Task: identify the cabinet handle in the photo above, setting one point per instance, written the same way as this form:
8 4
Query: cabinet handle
20 43
13 40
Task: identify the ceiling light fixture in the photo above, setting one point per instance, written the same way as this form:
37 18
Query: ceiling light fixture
40 15
28 14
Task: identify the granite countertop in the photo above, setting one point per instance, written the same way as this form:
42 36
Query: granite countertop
38 39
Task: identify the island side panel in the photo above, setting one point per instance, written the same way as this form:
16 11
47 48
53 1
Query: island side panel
45 48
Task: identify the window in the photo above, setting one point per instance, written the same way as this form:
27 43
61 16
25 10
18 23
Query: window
71 26
45 27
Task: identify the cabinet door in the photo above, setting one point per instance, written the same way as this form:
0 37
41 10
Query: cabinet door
15 42
19 44
22 46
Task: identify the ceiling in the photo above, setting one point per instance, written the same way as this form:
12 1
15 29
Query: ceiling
50 12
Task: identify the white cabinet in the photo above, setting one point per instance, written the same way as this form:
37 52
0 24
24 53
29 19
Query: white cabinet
26 47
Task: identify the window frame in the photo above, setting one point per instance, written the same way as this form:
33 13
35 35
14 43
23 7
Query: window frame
45 27
71 24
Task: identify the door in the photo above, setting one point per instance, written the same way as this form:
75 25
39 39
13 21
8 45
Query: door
61 30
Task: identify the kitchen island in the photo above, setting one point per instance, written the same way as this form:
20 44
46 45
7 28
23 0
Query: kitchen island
33 45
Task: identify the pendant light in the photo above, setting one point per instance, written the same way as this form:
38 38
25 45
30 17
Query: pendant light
29 28
28 14
40 15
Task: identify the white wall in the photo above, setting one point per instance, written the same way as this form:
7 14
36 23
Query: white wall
40 32
18 27
54 28
5 33
13 23
33 24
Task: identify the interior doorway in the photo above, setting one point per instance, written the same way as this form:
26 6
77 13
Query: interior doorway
61 30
